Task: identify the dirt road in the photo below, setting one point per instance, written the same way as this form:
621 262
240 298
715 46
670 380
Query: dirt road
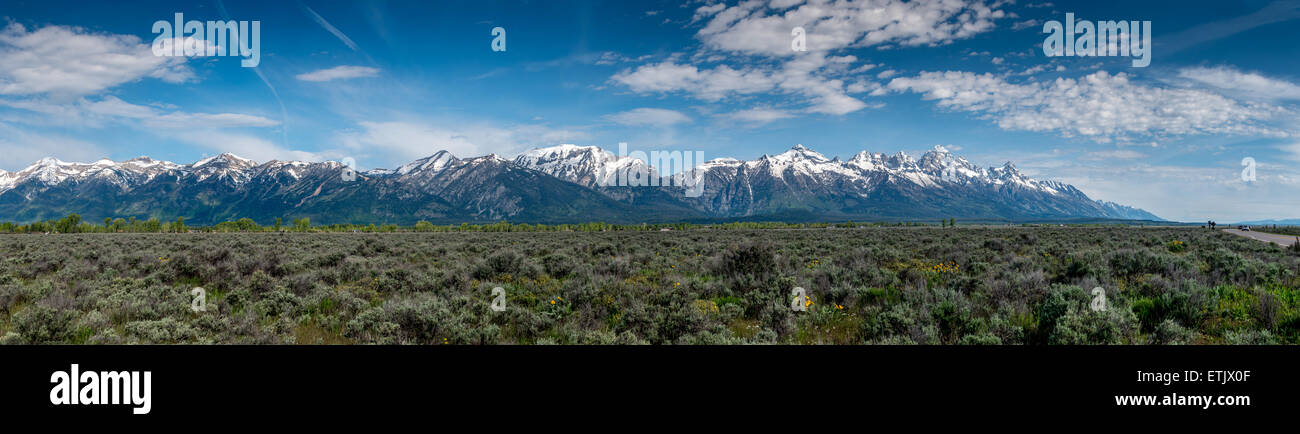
1283 240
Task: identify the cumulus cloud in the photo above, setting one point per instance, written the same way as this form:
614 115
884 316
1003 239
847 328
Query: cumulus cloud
649 116
1100 106
1246 84
69 61
803 76
342 72
706 84
747 48
763 28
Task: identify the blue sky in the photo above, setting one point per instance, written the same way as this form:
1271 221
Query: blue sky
386 82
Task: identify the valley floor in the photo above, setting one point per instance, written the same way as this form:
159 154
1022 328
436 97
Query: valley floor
965 285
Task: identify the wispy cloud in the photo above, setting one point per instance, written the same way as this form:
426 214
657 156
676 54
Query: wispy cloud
759 115
341 72
1275 12
19 147
1246 84
649 116
330 27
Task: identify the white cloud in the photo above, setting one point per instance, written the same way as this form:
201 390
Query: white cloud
1186 193
759 115
155 119
1099 106
1021 25
341 72
649 116
708 10
1292 150
706 84
248 146
209 130
70 61
734 35
1247 84
210 120
87 113
1192 192
751 28
330 28
806 76
1119 154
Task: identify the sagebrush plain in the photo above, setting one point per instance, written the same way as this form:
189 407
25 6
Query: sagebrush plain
932 286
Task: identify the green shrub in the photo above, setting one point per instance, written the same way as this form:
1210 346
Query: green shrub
38 324
750 259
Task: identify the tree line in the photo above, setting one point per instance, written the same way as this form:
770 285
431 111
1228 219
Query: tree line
73 223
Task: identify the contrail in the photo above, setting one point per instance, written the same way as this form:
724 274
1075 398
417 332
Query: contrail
284 113
334 31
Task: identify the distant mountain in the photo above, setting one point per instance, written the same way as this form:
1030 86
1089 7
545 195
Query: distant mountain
879 186
565 183
1279 222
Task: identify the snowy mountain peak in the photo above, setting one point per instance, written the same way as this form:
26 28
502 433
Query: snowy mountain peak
799 178
48 162
799 152
433 163
225 159
585 165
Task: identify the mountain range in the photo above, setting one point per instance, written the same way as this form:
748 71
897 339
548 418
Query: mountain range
559 184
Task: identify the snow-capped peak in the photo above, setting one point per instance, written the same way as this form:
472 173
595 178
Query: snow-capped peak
798 152
49 162
798 160
586 165
432 164
226 158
